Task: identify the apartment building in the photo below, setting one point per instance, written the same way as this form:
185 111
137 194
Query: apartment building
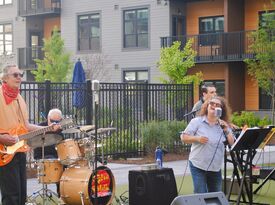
221 31
123 38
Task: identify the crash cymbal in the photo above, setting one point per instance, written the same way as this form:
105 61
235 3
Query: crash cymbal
79 129
72 130
102 130
86 128
49 139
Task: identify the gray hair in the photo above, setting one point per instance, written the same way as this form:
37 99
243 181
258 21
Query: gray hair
55 111
6 71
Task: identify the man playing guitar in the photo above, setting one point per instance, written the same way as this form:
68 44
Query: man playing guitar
13 122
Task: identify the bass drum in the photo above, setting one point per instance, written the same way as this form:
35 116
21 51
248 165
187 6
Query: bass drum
77 184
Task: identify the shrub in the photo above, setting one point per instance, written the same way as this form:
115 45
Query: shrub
161 133
250 119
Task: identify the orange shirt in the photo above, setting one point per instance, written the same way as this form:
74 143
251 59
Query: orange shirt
14 114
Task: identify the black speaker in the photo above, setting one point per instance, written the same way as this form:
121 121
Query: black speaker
152 187
213 198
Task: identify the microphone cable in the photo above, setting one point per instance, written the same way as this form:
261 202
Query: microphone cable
215 151
184 173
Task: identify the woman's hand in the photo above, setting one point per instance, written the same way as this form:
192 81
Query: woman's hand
202 140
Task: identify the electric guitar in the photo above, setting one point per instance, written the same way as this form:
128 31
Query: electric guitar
7 152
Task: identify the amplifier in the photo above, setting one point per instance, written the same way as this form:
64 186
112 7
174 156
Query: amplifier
152 187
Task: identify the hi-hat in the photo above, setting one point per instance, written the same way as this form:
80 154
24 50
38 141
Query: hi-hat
102 130
47 140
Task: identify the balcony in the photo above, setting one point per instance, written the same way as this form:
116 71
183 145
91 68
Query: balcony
28 8
216 47
26 56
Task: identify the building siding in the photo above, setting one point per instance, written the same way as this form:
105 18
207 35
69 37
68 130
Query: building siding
112 34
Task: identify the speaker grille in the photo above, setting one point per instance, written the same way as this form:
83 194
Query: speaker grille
152 187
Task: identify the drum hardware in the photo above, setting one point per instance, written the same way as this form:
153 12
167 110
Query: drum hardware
45 193
81 197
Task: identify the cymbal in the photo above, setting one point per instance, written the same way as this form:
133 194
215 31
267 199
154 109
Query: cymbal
49 139
71 131
86 128
79 129
102 130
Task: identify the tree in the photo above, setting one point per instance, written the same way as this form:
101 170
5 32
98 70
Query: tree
96 66
175 63
6 59
56 64
262 67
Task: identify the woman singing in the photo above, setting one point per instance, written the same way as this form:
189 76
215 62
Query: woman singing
207 134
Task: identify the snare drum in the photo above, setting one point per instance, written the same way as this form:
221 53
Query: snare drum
77 183
68 151
49 171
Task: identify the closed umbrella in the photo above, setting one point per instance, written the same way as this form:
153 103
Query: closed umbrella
78 84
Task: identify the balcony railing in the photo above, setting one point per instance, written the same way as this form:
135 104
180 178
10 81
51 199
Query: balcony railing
217 47
26 56
39 7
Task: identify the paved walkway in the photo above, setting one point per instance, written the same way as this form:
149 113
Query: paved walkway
120 171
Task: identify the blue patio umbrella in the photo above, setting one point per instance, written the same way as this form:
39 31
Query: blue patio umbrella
78 85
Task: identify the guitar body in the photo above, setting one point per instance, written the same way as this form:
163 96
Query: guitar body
7 152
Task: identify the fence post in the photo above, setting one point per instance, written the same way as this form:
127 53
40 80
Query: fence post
48 93
89 102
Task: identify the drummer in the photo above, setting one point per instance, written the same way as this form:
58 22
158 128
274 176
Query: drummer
54 116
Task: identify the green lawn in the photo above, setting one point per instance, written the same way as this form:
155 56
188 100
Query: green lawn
265 195
184 185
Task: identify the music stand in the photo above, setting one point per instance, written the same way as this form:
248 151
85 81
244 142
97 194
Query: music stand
249 140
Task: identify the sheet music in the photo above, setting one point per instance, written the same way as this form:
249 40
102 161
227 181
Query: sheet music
245 129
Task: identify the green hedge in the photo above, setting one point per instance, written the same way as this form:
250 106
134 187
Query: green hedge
160 133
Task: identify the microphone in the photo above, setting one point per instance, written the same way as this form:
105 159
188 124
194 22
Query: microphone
218 112
96 88
95 85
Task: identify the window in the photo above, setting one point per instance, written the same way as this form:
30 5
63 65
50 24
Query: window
210 26
5 2
135 76
135 29
265 100
89 32
5 39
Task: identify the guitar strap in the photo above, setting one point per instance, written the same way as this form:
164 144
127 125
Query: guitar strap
21 116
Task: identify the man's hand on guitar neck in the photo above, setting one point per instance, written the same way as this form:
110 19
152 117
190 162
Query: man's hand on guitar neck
8 140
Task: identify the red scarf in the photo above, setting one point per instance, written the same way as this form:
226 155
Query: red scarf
9 93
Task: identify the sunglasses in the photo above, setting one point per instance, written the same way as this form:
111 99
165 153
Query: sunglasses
16 75
55 121
215 104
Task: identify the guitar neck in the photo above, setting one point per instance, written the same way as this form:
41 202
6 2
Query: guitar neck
35 133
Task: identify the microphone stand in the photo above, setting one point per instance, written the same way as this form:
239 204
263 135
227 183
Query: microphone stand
96 102
225 158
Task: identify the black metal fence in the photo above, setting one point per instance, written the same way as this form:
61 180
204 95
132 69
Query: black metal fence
121 105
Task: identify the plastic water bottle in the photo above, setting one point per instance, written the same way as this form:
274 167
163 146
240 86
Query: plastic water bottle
158 157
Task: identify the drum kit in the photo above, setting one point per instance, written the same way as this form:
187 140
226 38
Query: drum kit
75 169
